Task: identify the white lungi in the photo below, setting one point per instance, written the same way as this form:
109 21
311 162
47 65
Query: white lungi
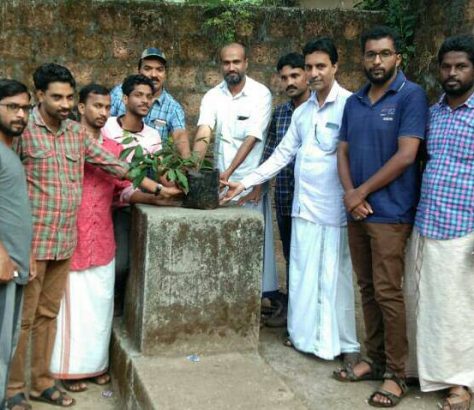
81 348
270 275
321 313
445 322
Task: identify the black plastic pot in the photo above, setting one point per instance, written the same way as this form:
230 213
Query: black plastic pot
203 189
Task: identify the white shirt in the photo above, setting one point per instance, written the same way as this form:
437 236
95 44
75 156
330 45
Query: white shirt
148 137
312 137
233 119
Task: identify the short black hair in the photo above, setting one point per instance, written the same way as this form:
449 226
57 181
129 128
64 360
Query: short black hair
10 88
463 42
294 60
92 88
133 80
51 73
140 62
323 44
379 32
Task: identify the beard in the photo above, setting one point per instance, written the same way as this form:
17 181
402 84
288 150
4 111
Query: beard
233 78
9 132
380 80
456 91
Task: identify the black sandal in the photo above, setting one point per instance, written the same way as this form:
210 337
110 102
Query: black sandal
394 399
46 396
376 371
18 400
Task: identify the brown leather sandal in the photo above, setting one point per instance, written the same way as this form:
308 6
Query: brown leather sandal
376 371
392 397
450 402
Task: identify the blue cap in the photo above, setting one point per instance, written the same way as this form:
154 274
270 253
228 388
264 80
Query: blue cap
153 52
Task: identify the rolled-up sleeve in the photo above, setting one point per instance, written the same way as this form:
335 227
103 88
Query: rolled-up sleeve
96 155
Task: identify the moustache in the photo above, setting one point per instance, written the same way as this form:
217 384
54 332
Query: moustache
20 123
291 87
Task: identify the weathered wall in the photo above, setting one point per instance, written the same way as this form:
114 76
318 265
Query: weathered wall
101 41
438 19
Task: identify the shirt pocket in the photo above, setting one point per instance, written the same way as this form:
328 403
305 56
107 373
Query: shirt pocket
72 168
242 125
327 139
35 160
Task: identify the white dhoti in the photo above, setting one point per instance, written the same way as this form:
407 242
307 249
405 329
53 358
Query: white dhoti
321 312
445 324
81 347
410 294
270 275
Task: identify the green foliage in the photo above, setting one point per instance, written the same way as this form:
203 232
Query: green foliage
165 162
401 15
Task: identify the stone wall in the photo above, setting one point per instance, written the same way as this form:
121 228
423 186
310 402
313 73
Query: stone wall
438 20
101 41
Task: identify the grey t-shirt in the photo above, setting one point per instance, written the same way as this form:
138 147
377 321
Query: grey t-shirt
15 212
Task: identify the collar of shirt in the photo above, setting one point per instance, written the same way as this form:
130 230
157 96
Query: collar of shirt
395 87
332 96
469 103
161 99
39 121
244 92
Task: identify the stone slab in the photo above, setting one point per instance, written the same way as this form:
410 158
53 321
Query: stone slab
229 381
195 281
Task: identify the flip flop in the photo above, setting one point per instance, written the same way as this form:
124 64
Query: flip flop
46 396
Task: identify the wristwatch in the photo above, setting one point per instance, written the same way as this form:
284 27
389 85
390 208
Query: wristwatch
158 189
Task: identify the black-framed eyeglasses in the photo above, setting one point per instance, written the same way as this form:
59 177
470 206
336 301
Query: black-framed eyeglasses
14 108
384 55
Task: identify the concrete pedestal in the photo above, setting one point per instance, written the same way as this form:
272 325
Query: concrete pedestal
195 281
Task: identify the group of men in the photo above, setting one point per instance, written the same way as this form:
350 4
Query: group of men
347 196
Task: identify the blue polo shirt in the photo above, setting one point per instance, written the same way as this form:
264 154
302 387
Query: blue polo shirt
372 132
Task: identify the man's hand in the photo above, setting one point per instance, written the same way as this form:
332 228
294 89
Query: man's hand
235 188
254 196
170 192
33 268
166 182
224 176
7 266
353 198
362 211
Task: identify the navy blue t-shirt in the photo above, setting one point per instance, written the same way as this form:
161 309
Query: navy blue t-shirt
372 132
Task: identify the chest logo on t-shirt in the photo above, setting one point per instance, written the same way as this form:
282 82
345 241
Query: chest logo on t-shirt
388 113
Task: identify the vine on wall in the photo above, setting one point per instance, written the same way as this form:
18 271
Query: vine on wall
401 15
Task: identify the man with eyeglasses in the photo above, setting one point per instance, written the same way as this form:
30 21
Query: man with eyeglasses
15 222
321 313
382 128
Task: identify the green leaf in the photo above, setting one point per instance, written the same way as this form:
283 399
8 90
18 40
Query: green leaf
138 152
171 175
139 178
124 154
128 140
183 181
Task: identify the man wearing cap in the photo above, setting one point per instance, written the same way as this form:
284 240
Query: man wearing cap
166 114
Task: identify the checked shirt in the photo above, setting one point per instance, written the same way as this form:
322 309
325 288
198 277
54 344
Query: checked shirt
166 114
446 207
285 180
54 168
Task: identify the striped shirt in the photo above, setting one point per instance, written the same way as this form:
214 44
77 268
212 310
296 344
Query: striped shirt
166 114
54 168
446 207
285 180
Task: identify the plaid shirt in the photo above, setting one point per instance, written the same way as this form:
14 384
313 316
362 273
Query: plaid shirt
446 207
166 114
54 167
285 180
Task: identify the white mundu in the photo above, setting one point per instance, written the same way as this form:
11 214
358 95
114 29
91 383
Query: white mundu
233 119
321 314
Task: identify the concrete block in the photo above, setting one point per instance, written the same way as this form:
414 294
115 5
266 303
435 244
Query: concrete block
195 281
